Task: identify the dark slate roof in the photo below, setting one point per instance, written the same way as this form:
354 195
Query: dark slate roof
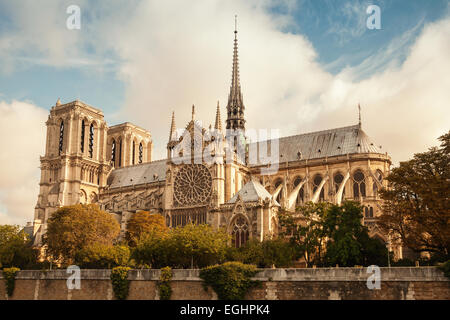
327 143
138 174
251 192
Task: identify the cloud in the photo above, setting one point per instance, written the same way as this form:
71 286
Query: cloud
173 54
22 132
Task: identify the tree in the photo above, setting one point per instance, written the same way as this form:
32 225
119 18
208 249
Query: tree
16 248
100 256
198 245
264 254
348 242
72 228
143 222
182 247
305 230
416 206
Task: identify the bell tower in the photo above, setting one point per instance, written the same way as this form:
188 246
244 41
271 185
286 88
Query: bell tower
75 165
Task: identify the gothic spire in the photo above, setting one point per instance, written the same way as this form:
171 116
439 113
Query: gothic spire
359 115
235 106
193 112
218 124
172 128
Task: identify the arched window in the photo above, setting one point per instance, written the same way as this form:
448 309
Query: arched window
240 232
338 179
113 153
379 177
91 140
141 149
134 151
316 183
120 153
277 184
371 212
359 186
82 136
301 195
61 136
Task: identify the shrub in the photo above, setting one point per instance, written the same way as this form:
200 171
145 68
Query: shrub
120 282
445 267
231 280
9 274
165 290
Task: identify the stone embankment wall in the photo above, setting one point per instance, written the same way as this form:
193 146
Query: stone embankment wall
277 284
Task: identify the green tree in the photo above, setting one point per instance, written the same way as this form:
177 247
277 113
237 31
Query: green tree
305 230
16 248
182 247
416 206
348 242
72 228
143 222
197 245
100 256
264 254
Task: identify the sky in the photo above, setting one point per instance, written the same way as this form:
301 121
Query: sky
304 66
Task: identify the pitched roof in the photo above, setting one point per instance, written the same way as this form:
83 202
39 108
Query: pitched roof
251 192
327 143
138 174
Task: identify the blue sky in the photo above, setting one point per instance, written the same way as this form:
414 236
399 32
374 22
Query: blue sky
304 66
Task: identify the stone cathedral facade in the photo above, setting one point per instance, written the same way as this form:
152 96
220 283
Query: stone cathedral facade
210 174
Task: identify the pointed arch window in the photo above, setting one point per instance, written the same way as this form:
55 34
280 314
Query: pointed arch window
113 153
338 179
240 233
301 194
277 184
316 183
61 136
379 177
91 140
134 152
141 149
82 136
359 185
120 153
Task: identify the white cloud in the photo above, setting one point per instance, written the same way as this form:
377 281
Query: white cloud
176 53
22 132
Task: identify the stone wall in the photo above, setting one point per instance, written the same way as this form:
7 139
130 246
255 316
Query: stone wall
277 284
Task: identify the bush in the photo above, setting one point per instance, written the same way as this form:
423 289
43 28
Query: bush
403 263
9 274
165 290
100 256
445 267
120 282
231 280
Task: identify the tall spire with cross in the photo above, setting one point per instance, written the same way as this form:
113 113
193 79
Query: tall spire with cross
235 106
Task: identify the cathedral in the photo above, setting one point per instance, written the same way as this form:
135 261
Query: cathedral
217 175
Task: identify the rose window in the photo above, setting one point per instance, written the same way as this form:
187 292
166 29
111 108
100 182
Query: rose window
192 185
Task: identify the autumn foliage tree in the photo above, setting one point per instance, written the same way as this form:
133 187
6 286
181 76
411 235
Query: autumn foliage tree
73 228
142 222
416 204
